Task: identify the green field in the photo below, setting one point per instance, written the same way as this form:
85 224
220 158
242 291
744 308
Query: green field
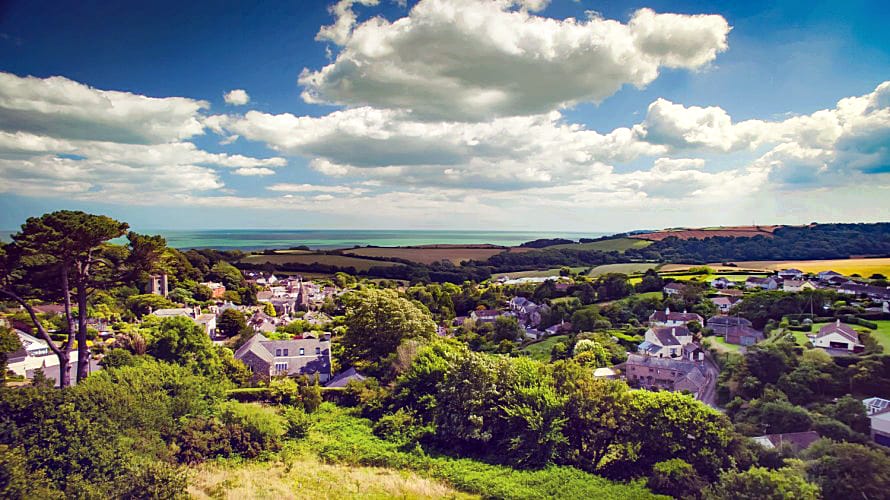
882 334
540 351
721 345
613 245
330 260
629 268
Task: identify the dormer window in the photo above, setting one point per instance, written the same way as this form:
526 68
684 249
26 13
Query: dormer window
278 352
285 352
318 350
301 351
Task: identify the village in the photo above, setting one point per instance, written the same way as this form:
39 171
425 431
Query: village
292 326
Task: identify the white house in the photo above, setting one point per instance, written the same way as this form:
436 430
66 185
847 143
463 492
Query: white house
878 411
797 285
674 288
838 336
724 304
790 274
665 341
763 283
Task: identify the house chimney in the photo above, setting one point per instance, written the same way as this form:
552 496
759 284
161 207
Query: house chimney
674 332
838 322
667 310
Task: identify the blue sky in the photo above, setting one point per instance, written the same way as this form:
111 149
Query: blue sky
461 114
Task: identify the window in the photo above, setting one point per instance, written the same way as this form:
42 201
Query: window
285 352
278 352
281 367
301 351
317 351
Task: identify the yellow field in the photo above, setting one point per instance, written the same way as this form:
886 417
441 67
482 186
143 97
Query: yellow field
310 479
863 267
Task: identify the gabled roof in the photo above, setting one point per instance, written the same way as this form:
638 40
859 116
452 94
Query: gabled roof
715 322
344 377
667 335
668 315
736 333
487 313
841 329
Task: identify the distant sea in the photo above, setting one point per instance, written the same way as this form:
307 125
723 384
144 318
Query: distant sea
259 239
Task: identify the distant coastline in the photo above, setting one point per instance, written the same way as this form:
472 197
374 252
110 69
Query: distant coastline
328 239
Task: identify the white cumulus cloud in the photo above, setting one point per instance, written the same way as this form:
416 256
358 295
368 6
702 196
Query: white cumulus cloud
479 59
237 97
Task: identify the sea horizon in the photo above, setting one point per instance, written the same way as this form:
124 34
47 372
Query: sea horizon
330 239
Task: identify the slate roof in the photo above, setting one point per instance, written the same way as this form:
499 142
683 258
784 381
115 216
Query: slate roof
668 315
734 334
667 335
721 323
344 377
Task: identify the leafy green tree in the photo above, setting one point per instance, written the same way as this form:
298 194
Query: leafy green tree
143 304
847 470
665 425
74 245
595 411
612 286
377 321
506 328
758 483
591 352
777 417
231 323
179 340
9 343
676 478
533 412
651 282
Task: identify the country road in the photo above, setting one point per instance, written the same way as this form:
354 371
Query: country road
709 392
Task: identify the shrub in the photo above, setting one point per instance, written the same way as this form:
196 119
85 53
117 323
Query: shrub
675 477
262 423
297 422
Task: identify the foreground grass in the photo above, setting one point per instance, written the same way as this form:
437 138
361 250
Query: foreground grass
340 438
305 478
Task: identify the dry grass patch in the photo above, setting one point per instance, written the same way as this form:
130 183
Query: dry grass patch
309 479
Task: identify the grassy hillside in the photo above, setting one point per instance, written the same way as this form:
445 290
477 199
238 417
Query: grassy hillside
338 437
617 244
305 478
